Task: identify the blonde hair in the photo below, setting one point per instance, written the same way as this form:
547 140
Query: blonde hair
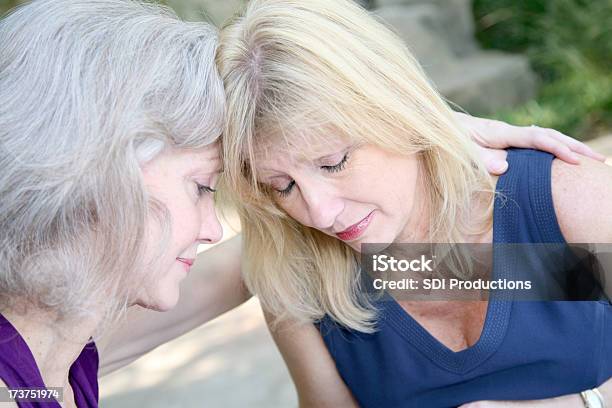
308 66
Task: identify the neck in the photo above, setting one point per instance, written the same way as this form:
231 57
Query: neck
417 228
54 344
480 205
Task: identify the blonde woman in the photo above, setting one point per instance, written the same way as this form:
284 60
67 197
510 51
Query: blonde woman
215 285
335 138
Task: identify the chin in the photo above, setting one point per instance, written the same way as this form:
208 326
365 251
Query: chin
376 246
378 242
164 300
167 303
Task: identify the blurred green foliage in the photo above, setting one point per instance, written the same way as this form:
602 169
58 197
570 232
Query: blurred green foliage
569 44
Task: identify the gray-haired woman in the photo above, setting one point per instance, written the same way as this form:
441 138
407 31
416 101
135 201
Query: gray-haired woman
109 114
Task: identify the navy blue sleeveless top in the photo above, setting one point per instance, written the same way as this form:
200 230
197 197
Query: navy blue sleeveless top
527 349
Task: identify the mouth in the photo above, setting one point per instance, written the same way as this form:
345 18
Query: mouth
186 261
355 230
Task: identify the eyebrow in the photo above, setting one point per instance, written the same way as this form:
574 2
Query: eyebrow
265 173
197 168
220 163
302 158
266 176
329 156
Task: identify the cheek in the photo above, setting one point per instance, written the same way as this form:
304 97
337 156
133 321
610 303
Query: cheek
186 221
393 185
408 195
295 208
170 235
153 235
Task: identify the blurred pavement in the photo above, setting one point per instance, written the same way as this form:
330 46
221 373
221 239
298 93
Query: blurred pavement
229 362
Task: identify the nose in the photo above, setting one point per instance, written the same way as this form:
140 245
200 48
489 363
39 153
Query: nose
322 203
211 230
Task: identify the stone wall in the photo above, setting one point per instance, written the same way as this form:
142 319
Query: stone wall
441 35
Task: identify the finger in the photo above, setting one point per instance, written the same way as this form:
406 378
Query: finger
494 160
534 137
551 141
575 145
556 147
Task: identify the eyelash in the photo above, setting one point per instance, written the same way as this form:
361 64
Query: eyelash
332 169
337 167
286 191
202 189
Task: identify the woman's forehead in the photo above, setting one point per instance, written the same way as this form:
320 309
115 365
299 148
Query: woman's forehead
204 159
302 146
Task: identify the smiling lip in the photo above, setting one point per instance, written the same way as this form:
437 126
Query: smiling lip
355 230
186 261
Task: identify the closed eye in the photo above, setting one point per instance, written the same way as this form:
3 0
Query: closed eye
332 169
287 191
337 167
202 189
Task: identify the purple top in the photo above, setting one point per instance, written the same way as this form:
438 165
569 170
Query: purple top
18 369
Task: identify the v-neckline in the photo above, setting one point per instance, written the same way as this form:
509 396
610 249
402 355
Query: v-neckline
462 361
36 370
26 353
497 316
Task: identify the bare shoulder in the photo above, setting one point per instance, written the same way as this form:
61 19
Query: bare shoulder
582 197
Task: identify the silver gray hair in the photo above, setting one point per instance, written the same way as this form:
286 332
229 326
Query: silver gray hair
89 91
